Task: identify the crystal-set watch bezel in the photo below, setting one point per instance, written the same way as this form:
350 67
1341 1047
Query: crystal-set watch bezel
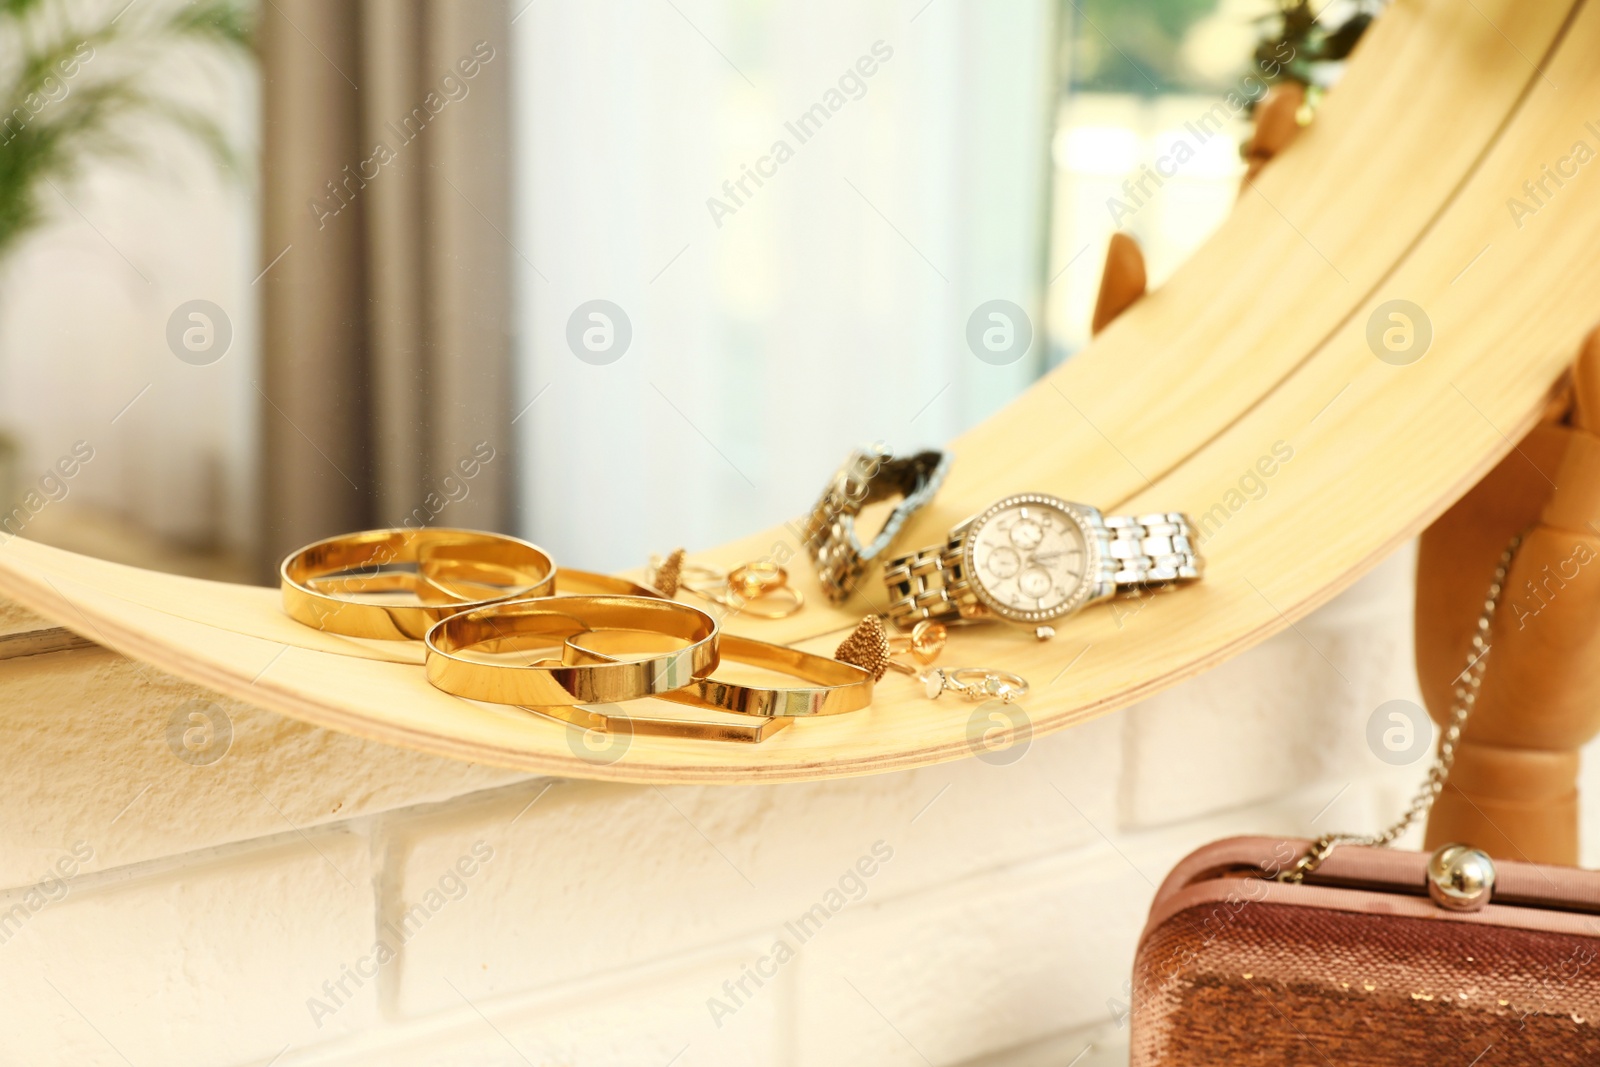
1090 525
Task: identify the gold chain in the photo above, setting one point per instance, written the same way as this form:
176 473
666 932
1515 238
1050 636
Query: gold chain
1466 695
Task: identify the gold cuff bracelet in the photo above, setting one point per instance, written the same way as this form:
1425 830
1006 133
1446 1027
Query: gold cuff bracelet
346 584
841 686
500 628
615 720
570 581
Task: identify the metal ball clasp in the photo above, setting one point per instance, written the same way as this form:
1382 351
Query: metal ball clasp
1460 877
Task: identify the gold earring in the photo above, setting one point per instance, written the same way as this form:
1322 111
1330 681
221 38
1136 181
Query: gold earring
870 648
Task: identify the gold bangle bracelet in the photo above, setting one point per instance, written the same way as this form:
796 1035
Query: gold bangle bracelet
569 581
505 628
616 720
841 687
345 584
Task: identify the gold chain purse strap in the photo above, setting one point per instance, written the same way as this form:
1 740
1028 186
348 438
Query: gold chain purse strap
1466 695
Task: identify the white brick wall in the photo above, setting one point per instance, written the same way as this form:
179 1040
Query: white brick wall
203 962
312 899
1290 711
94 761
978 965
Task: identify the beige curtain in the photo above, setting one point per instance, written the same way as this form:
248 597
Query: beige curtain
387 269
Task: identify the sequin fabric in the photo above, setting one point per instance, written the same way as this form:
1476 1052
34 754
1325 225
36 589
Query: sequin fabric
1267 983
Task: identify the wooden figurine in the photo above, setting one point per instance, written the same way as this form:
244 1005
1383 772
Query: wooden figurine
1122 282
1513 791
1277 123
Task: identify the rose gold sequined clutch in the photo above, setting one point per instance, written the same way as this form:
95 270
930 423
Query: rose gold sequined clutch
1357 965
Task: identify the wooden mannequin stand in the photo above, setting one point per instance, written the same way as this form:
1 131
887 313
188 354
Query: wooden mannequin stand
1513 792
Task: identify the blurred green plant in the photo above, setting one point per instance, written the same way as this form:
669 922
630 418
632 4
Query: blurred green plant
1317 44
75 85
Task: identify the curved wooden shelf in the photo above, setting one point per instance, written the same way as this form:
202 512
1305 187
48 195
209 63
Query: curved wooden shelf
1398 191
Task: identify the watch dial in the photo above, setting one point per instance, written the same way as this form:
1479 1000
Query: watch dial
1029 557
1003 562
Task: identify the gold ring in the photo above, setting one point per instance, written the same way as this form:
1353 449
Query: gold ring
841 686
752 608
751 580
925 641
685 638
743 589
347 584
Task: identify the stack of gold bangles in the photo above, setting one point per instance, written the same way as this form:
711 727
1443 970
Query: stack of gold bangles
501 623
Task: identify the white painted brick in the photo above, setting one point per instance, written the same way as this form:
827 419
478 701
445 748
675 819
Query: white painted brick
593 876
638 1020
1292 710
85 756
206 964
1096 1046
984 966
1013 958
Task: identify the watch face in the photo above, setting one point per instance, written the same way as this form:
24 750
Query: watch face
1027 556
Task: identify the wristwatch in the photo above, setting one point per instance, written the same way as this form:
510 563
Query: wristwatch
869 475
1034 558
